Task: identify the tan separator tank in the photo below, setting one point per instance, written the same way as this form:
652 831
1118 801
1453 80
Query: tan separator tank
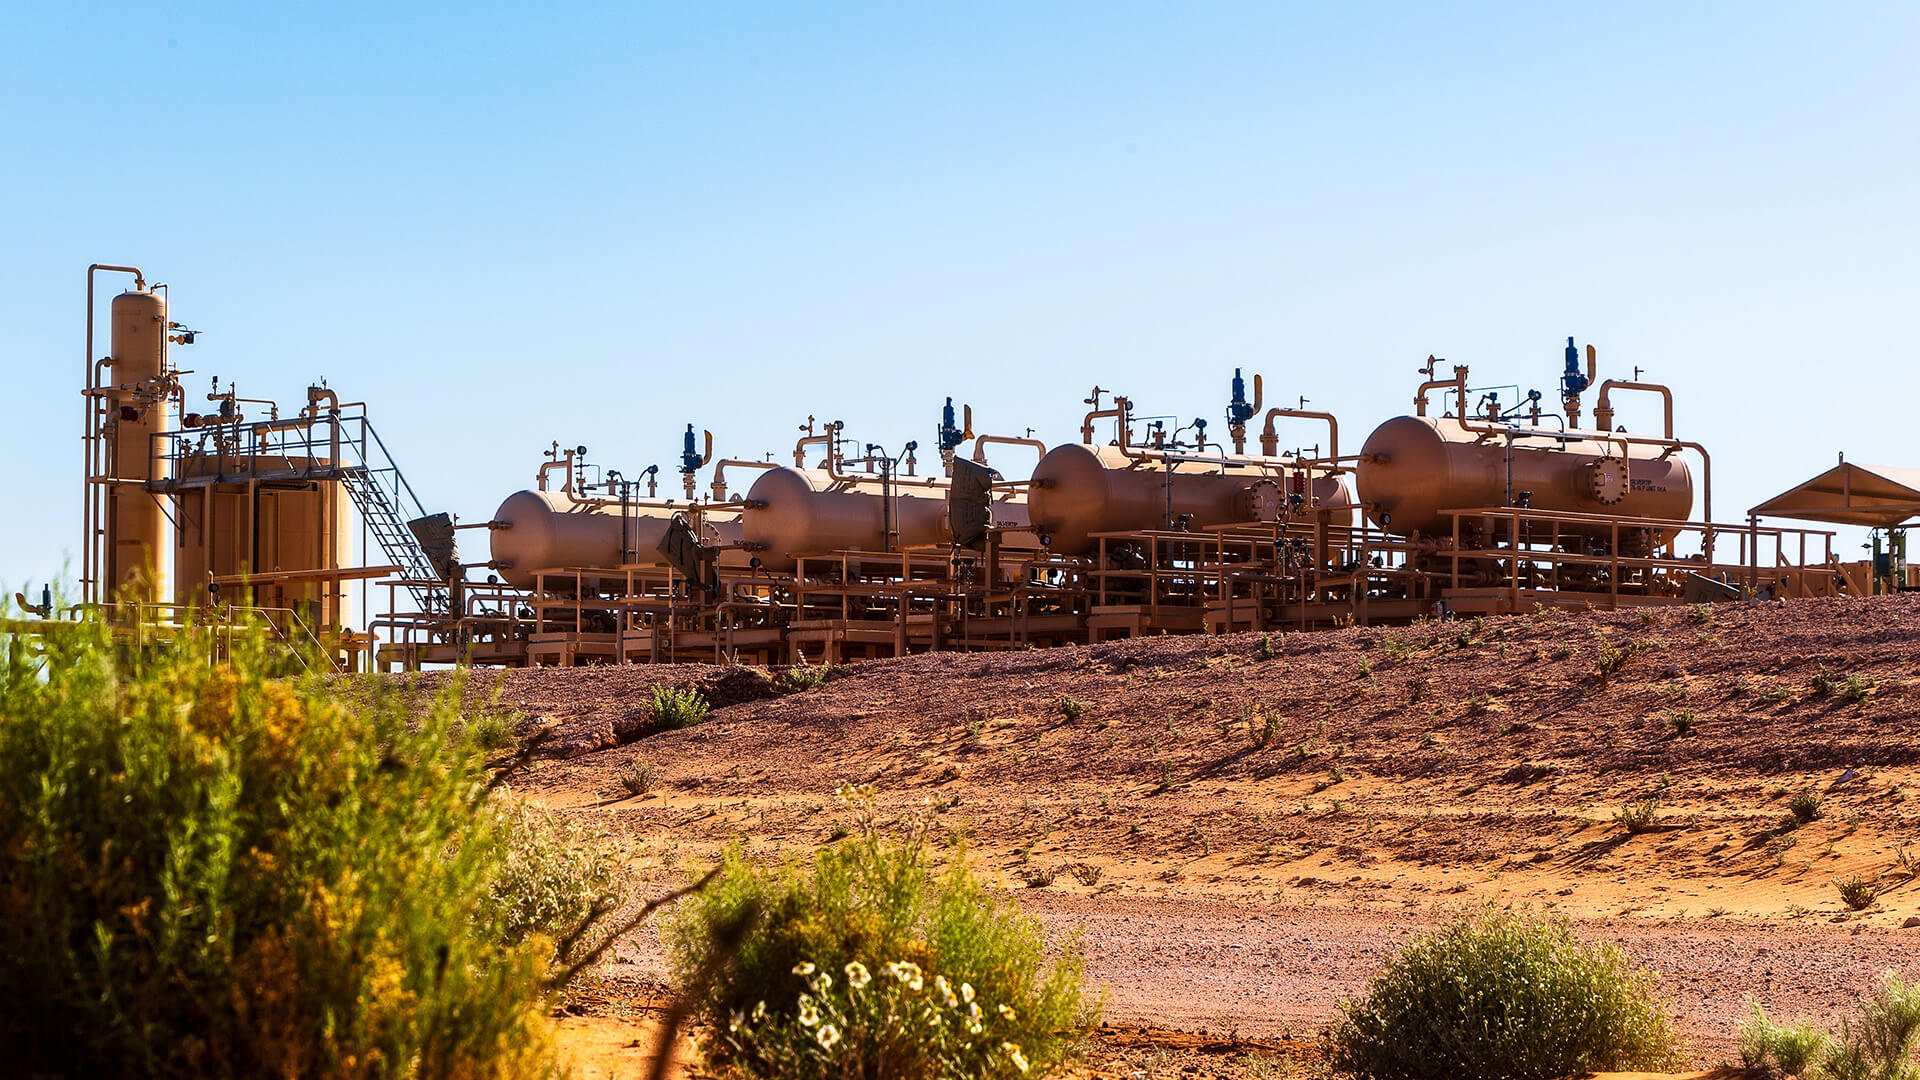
1413 467
1079 489
794 511
546 530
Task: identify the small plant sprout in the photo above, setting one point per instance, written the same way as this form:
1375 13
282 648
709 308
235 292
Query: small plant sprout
1264 727
1637 816
637 777
490 731
1610 659
1854 688
1085 873
1857 892
802 677
1805 807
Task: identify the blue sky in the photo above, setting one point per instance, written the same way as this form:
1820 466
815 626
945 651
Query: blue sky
505 225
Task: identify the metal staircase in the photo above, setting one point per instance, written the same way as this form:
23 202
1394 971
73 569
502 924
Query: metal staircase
377 499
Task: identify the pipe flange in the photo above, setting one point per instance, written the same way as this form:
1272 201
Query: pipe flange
1607 480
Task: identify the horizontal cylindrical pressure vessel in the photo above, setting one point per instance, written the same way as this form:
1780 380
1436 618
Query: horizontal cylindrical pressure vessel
800 511
1080 489
1413 467
549 530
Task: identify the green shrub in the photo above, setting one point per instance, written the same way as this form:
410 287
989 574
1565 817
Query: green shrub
1805 807
552 873
1792 1049
871 962
1855 688
1070 709
673 709
637 777
1611 659
802 677
210 870
1504 994
1638 815
1264 726
1878 1042
490 731
1857 892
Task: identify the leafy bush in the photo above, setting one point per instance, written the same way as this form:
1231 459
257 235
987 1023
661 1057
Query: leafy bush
673 709
870 962
553 875
1504 994
1793 1049
1877 1043
210 870
1070 709
1805 807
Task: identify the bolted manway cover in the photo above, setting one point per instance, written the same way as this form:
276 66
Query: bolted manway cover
970 503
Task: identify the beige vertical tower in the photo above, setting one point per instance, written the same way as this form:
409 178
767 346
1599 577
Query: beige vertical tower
140 403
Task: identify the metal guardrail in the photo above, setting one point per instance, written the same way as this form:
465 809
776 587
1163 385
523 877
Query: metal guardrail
336 445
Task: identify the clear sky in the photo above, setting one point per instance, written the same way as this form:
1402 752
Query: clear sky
505 225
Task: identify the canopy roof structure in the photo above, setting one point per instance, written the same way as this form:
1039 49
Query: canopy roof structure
1876 496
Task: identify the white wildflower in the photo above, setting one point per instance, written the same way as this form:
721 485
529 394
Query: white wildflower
857 975
907 972
966 992
803 968
1007 1011
945 988
1014 1055
822 983
828 1035
809 1012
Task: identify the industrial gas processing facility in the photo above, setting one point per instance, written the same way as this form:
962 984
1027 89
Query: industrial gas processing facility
1263 519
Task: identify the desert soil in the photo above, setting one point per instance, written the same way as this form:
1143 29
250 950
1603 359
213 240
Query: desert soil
1242 828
